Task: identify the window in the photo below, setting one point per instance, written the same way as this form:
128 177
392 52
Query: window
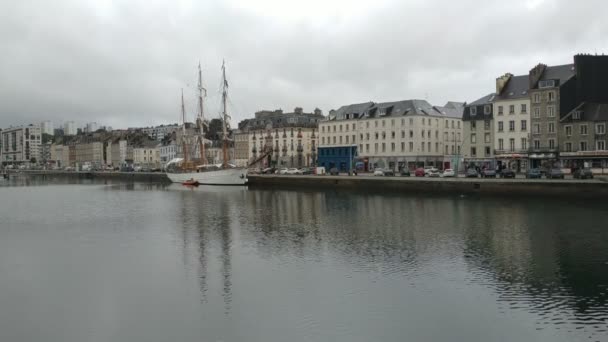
383 147
576 115
546 84
423 133
473 152
600 128
402 122
436 134
346 128
568 130
334 128
459 124
523 108
422 146
512 144
411 121
524 125
500 126
486 125
353 125
366 136
393 134
446 149
600 145
429 146
452 124
524 143
499 110
383 123
583 129
402 147
375 123
340 139
367 125
323 129
376 148
486 138
488 151
376 135
473 111
583 146
512 109
536 129
487 109
436 147
551 143
473 138
551 96
536 112
536 98
473 125
323 140
347 139
536 144
411 146
501 144
411 134
550 111
511 126
367 147
551 128
392 122
568 147
334 140
447 124
392 147
402 134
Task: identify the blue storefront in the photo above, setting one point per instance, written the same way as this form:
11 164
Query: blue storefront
337 156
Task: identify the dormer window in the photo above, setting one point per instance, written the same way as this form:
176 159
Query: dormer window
546 84
473 111
576 115
487 109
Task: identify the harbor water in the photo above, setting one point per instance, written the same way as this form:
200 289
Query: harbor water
84 260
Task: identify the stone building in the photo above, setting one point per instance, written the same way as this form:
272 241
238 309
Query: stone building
241 148
478 141
21 144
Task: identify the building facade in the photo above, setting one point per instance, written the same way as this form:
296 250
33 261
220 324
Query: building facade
241 148
159 132
546 84
47 128
69 128
397 135
583 137
168 151
147 155
21 144
60 155
89 153
512 122
478 142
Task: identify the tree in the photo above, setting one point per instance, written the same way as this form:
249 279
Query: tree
33 160
47 137
214 131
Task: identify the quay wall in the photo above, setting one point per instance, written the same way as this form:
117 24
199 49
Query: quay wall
459 186
151 177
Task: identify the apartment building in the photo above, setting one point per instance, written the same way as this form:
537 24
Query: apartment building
395 135
147 155
89 153
478 142
21 144
511 107
241 148
546 84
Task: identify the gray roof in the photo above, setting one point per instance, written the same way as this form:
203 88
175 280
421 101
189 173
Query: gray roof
401 108
516 88
484 100
590 112
357 108
454 105
558 72
451 111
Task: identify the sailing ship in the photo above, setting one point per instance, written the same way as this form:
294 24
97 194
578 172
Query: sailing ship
223 173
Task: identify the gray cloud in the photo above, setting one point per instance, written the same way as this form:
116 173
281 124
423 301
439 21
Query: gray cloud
124 64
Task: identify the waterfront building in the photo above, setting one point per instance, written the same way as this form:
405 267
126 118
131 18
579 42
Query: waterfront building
47 127
168 151
69 128
511 109
117 154
21 144
159 132
478 125
60 155
147 155
241 148
45 153
551 92
341 157
91 153
283 139
397 135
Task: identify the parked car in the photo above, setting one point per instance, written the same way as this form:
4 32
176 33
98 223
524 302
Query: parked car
127 169
488 173
307 171
583 173
253 171
507 173
534 173
428 169
434 173
269 170
389 172
378 172
282 171
292 171
137 168
448 173
155 169
555 173
472 173
405 172
419 172
334 171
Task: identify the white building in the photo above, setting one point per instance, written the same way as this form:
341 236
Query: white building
21 144
395 135
91 127
159 132
69 128
47 127
512 121
168 152
117 154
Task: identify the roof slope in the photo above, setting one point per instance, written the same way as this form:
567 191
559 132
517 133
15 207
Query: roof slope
516 88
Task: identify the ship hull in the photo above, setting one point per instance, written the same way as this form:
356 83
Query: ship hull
215 177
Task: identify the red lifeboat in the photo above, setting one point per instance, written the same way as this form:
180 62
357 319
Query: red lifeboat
191 182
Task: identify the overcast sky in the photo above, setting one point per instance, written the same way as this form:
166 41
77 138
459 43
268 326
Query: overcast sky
123 63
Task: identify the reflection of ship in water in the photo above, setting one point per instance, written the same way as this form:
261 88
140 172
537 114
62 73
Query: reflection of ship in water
206 230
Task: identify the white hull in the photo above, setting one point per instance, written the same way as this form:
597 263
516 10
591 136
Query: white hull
215 177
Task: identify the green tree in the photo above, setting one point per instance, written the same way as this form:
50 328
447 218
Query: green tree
33 160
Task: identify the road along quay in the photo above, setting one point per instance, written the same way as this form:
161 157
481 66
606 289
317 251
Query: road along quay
568 188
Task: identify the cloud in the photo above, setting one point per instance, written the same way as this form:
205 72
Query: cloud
124 63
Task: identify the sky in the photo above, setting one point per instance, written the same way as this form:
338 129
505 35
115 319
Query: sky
124 63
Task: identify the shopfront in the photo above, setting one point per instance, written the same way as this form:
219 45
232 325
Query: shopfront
515 161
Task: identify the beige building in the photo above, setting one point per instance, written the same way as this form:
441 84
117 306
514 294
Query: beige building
512 122
61 155
147 155
89 153
241 148
116 153
397 135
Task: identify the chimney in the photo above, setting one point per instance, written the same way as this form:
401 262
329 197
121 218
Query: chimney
298 110
318 111
535 74
502 81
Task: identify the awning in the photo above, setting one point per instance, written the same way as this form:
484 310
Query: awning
542 156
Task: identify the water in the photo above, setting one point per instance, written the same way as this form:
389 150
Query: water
133 262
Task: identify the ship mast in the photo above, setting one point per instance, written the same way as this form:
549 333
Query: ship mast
185 145
201 118
225 116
